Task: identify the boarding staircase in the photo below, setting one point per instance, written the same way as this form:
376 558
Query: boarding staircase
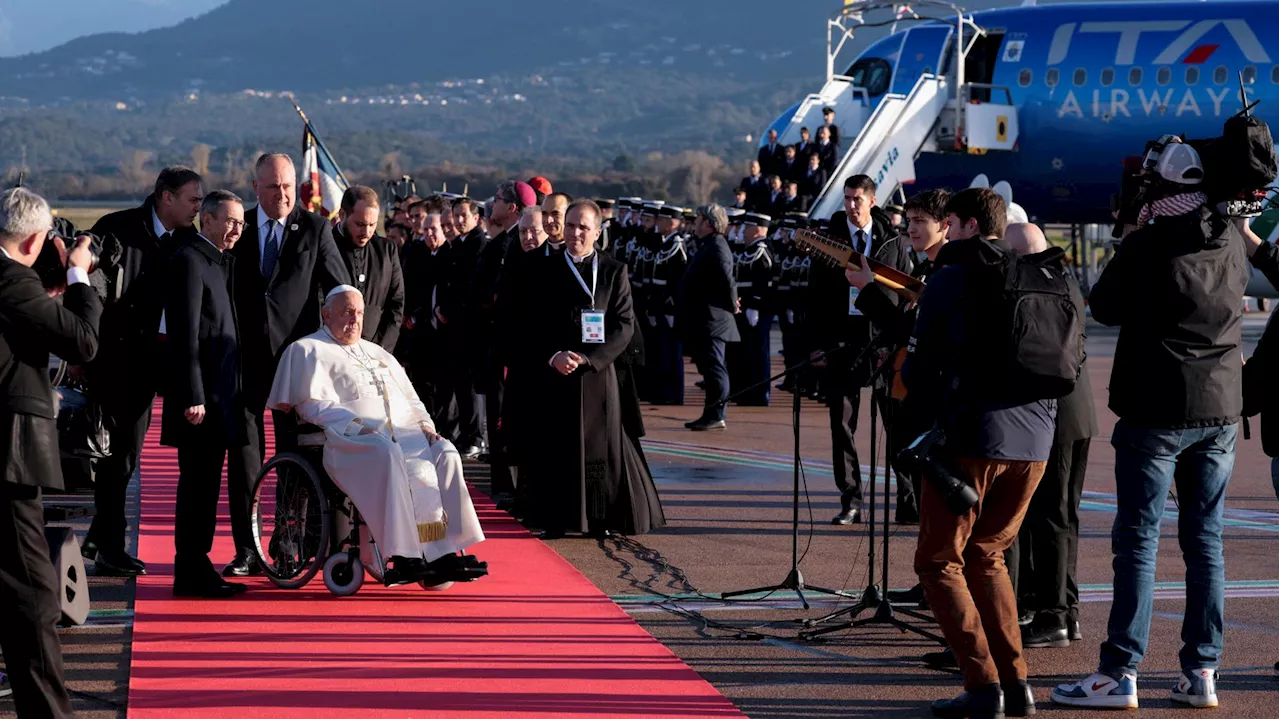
942 112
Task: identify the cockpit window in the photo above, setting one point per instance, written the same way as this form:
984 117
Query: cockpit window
872 74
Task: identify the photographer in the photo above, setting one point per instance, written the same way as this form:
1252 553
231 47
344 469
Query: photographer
31 327
997 443
1174 288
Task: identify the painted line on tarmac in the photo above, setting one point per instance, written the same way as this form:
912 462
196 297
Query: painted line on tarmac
648 604
1097 501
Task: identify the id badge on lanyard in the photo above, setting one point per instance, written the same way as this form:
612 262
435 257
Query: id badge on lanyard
853 298
592 319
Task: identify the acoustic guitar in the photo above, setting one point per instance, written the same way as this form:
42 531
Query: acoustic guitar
835 253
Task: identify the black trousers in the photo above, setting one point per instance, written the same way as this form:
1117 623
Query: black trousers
461 383
128 427
708 356
501 479
1044 553
29 605
753 360
196 512
245 463
844 401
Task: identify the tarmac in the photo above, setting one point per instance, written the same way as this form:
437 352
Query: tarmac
728 501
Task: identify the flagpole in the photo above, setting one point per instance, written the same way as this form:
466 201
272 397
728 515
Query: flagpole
319 143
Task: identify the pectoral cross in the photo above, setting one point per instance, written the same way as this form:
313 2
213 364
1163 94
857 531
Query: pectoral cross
376 382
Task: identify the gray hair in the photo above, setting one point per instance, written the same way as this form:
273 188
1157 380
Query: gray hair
23 213
213 201
715 215
269 157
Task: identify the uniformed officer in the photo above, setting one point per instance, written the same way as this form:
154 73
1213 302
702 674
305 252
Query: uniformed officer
733 351
755 277
647 245
784 280
666 365
608 226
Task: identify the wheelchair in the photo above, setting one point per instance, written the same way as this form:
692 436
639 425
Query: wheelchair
303 523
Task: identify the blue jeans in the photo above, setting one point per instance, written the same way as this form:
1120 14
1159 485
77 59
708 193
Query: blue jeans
1275 475
1198 463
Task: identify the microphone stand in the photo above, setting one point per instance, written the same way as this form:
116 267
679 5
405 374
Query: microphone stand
873 597
794 580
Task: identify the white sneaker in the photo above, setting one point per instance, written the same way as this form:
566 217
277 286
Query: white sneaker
1196 687
1099 691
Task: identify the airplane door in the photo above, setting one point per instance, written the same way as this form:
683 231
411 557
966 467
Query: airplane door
921 53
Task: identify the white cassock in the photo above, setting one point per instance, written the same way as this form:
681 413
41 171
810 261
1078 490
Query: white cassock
410 493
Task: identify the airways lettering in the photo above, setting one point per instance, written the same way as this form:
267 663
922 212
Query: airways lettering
1130 32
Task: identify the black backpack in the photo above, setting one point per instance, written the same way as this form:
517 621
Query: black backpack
1035 326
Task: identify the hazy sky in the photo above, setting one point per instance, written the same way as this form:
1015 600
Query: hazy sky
35 25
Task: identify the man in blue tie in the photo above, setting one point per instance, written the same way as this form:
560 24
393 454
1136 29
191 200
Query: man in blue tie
286 260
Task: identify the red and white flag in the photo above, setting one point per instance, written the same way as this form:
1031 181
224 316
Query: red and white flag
322 181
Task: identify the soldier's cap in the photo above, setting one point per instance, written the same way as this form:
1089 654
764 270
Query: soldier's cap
651 206
603 203
893 208
670 211
790 222
689 215
734 214
755 218
828 110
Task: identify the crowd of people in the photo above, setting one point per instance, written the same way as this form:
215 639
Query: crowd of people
525 330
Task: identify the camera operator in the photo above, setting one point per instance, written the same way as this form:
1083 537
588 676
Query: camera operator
997 445
1259 378
32 325
1174 288
125 375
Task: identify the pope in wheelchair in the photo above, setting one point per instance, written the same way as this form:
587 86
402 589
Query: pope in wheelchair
381 448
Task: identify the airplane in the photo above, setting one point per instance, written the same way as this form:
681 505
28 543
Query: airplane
1049 99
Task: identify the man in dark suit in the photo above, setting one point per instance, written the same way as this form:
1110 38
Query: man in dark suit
804 148
827 150
124 374
835 322
203 415
508 201
374 265
31 327
453 313
432 369
814 179
709 304
285 262
771 155
756 184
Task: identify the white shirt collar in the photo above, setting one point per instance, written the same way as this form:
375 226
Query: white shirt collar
853 234
5 252
157 225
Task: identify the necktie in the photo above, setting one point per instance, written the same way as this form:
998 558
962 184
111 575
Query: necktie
270 250
862 242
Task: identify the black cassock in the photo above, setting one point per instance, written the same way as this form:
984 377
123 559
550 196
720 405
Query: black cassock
591 477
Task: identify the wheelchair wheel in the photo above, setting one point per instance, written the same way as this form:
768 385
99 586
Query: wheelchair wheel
370 557
290 520
343 574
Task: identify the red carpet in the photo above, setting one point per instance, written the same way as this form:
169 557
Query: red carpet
533 639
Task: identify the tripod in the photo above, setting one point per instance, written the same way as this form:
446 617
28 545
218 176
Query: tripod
794 580
873 598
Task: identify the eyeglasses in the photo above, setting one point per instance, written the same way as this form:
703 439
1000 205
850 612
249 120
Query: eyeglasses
234 223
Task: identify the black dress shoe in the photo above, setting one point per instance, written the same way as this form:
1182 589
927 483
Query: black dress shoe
984 703
551 534
1019 700
914 595
1025 618
852 515
1073 629
906 514
1042 637
704 425
244 565
111 564
944 659
212 589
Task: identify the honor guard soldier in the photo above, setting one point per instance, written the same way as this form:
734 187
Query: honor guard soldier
786 267
647 316
628 220
608 226
686 230
755 276
733 351
666 366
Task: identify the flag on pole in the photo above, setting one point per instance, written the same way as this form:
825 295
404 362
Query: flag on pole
322 180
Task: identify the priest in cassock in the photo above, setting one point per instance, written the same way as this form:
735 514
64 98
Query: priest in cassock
374 264
591 479
381 447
